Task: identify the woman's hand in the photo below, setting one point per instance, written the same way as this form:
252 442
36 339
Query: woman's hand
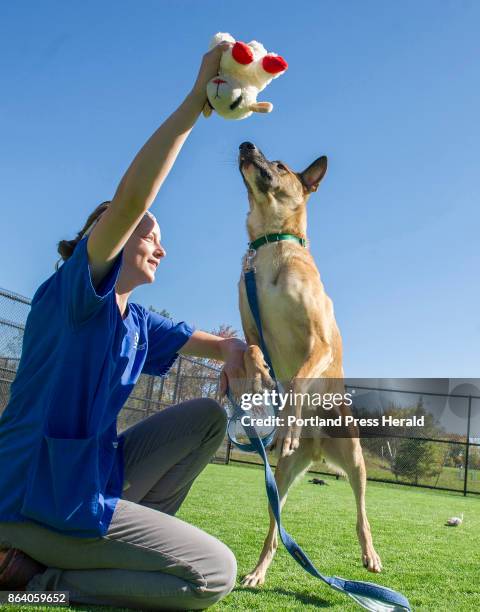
234 367
231 351
208 69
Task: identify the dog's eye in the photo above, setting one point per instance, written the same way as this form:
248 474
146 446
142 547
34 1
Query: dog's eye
280 166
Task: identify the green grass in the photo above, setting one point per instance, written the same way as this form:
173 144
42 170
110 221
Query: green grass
436 567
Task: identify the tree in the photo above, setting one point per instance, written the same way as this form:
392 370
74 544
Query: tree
455 453
162 312
417 459
387 447
225 331
474 458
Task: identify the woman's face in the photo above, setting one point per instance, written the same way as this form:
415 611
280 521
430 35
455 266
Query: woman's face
142 252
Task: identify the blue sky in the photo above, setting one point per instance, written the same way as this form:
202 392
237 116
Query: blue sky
389 91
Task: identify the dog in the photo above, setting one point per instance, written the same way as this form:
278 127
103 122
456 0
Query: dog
300 333
318 481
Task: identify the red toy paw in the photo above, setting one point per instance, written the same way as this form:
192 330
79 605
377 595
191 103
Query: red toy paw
273 64
242 53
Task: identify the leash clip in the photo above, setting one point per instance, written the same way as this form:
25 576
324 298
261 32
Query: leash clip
248 261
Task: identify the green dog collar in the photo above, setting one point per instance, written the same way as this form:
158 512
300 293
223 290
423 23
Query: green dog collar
275 238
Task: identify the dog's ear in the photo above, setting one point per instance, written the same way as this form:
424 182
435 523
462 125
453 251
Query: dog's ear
315 172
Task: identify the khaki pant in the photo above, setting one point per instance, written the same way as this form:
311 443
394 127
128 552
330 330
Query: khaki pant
148 559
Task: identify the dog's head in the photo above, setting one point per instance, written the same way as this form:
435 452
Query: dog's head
277 194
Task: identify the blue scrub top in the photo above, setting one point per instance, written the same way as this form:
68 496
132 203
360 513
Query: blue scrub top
61 461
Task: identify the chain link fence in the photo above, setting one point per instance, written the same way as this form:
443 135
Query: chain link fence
447 458
187 379
444 454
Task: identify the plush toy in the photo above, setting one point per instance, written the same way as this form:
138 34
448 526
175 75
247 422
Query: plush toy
245 70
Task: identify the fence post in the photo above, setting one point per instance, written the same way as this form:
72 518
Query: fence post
177 380
467 447
149 394
229 444
160 394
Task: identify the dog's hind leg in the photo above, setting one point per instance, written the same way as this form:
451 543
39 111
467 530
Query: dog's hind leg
347 454
287 470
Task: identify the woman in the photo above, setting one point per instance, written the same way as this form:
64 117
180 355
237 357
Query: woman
81 509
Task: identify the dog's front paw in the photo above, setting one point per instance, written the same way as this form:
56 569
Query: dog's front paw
254 579
288 440
258 374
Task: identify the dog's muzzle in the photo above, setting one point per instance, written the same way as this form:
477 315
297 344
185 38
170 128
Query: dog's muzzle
250 154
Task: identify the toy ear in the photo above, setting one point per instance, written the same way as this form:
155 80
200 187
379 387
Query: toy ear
242 53
273 64
261 107
207 109
315 172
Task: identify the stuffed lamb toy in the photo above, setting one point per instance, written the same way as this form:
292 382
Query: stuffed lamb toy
245 70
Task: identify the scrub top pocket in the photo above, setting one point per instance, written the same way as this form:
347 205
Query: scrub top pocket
63 488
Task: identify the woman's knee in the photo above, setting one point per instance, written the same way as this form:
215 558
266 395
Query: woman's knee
212 415
221 576
228 573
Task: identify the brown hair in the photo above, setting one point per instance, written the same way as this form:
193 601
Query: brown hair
65 248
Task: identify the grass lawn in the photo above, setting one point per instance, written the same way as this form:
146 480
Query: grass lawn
436 567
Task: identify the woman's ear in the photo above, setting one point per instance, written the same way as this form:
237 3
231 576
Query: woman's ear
315 172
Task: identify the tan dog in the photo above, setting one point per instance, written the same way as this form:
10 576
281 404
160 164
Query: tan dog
300 332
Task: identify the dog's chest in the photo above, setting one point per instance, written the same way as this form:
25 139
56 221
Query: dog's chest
284 295
282 278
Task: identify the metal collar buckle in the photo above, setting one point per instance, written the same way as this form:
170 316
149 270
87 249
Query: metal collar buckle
248 260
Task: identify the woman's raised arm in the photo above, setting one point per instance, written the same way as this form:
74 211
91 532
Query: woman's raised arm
145 175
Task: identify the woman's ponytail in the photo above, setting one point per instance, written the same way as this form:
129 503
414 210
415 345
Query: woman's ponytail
65 248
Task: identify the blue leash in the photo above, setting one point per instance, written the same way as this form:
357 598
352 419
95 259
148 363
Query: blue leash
370 596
